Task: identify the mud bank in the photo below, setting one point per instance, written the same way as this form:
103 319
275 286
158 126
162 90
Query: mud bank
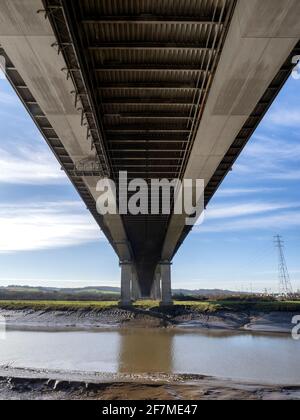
18 384
275 322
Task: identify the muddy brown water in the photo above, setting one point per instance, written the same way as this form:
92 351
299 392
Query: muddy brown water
241 356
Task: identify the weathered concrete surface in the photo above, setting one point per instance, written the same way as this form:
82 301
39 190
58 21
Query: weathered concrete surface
261 36
28 39
126 281
166 288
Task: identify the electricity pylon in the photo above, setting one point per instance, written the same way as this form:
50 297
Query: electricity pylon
285 285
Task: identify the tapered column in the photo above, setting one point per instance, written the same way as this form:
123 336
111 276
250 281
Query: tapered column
156 288
126 280
135 287
166 288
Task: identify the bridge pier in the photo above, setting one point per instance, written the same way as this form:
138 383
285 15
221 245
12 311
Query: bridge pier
135 287
156 288
126 281
166 287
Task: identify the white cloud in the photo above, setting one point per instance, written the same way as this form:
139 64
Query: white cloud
272 222
29 166
284 117
57 283
245 209
270 158
26 227
286 175
249 216
8 99
274 149
231 192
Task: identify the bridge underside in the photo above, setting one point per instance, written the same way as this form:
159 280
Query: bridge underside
149 66
140 86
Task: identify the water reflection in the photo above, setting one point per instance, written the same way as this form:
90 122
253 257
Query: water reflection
262 358
146 351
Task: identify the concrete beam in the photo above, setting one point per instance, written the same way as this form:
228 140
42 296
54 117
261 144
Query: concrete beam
19 17
126 281
27 38
261 36
166 287
113 223
135 287
156 288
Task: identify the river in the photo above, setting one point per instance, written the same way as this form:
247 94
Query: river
246 356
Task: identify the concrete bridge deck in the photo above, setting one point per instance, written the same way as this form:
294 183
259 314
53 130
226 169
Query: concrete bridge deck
159 88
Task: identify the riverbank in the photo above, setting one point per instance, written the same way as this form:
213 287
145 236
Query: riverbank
21 384
147 338
109 315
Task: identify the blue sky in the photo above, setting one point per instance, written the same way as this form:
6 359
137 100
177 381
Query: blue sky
48 238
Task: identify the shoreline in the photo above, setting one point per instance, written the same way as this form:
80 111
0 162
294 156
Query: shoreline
26 384
252 321
36 384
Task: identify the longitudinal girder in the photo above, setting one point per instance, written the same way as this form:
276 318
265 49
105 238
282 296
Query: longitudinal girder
149 65
151 81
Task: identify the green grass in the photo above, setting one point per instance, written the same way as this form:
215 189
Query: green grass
231 306
201 307
56 305
276 306
95 305
71 305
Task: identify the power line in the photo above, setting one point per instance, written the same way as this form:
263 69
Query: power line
285 285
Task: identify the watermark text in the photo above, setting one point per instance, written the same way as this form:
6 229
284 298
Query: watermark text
155 197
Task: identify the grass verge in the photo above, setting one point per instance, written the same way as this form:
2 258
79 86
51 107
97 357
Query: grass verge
201 307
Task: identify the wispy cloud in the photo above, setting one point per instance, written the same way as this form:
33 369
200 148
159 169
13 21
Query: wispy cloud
245 209
46 225
284 117
286 175
8 99
270 158
58 283
250 216
275 149
233 192
29 165
272 222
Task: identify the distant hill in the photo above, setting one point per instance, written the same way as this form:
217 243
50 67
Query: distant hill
14 292
96 293
66 289
204 292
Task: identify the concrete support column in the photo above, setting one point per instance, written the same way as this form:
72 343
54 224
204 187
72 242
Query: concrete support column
156 288
135 287
126 280
166 288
